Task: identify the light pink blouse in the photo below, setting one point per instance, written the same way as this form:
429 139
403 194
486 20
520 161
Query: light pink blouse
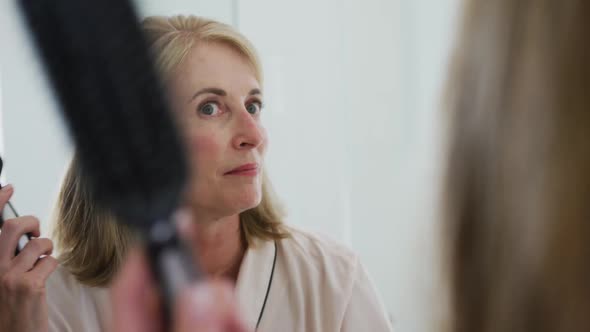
302 283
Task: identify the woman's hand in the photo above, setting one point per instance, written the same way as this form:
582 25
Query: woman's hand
205 306
23 307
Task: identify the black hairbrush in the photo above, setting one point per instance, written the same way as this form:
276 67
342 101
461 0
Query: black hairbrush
126 139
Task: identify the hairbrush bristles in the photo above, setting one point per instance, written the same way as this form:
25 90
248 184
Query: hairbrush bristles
104 78
128 147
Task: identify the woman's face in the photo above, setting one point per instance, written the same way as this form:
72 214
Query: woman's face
218 99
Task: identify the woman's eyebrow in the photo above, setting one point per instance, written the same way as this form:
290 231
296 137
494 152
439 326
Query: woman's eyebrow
220 92
217 91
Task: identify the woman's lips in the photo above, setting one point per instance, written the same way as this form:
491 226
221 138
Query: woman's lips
244 170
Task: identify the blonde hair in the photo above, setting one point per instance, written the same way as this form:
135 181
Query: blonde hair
91 242
172 39
518 185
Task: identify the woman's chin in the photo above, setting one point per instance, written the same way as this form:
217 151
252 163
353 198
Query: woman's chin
246 200
229 202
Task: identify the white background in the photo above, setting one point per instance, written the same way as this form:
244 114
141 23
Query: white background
352 94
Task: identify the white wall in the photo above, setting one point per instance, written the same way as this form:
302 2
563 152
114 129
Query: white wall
221 10
353 116
352 111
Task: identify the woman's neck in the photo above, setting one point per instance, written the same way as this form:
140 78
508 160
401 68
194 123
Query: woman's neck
219 246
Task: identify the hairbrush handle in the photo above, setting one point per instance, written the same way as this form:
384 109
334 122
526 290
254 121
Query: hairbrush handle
171 262
22 242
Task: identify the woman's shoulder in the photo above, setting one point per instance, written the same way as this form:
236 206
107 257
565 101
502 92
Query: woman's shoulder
319 251
62 286
62 281
332 275
73 306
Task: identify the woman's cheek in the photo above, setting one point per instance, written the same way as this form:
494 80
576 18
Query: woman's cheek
205 149
204 153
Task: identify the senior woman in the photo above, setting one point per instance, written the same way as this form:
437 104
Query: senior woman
285 279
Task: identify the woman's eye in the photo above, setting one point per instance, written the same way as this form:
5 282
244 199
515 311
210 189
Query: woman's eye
254 108
209 109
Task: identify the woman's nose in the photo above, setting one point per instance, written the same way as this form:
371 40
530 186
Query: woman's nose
249 132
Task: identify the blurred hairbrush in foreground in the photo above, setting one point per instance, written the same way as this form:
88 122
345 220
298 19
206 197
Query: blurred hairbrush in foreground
129 147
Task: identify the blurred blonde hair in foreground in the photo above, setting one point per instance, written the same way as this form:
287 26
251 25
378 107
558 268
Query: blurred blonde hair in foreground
517 196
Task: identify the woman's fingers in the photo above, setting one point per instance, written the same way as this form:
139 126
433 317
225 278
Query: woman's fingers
28 257
5 194
12 230
44 267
